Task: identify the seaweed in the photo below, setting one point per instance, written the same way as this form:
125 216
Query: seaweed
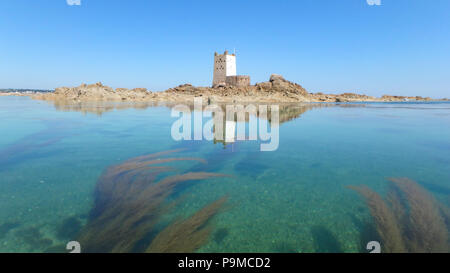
69 228
367 233
187 235
409 220
385 220
34 145
33 237
5 228
424 225
325 241
445 211
129 202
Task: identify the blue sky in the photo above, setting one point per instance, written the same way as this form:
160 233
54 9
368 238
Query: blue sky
332 46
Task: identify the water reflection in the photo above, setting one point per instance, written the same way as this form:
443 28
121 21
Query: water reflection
100 107
288 111
292 200
225 128
226 131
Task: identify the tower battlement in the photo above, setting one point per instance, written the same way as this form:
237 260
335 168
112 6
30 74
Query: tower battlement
225 71
224 66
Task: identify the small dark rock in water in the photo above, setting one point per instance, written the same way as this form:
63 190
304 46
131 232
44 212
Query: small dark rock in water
220 235
7 227
33 237
69 228
325 241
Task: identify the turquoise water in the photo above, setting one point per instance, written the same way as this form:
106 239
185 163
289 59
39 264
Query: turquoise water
293 199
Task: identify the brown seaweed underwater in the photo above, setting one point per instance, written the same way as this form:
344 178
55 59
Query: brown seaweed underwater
410 219
129 204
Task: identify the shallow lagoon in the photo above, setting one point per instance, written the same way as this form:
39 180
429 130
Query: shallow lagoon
291 200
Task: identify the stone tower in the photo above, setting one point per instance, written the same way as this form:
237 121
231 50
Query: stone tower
224 66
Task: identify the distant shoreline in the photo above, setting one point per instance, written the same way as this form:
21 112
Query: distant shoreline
24 90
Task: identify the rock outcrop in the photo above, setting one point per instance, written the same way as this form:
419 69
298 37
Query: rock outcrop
96 92
345 97
278 84
277 89
404 98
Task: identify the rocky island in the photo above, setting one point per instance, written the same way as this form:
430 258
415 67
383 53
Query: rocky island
277 89
227 87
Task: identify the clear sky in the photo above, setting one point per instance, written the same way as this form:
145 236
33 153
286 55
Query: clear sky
401 47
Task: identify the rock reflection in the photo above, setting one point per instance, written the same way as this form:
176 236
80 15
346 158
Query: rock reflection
99 107
288 111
